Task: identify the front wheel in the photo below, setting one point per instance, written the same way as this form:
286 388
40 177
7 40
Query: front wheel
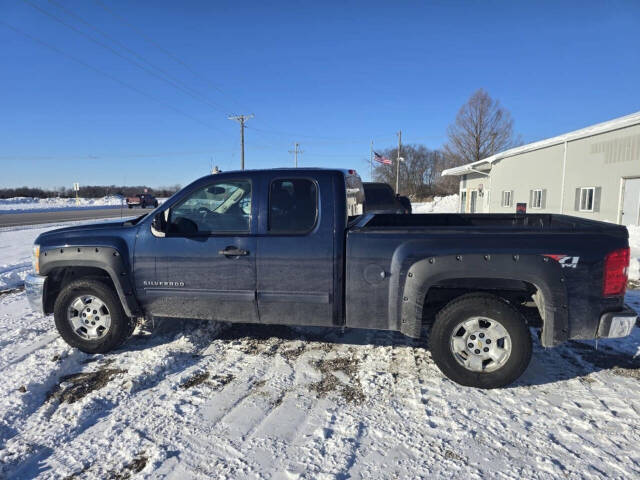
89 316
479 340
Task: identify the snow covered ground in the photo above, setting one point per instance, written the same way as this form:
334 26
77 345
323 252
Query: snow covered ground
23 204
205 400
200 400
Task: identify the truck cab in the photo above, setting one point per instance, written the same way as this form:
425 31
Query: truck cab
262 246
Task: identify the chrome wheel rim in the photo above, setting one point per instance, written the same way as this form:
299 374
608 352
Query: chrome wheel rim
89 317
481 344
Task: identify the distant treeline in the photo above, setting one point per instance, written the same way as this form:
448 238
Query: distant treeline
89 191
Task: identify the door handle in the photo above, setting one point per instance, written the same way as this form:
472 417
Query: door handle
233 252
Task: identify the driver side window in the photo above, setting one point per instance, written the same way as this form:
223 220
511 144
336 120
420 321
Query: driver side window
221 207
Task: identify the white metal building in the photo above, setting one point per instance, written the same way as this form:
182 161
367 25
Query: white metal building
593 173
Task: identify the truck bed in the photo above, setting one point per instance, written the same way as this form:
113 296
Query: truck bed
485 223
384 252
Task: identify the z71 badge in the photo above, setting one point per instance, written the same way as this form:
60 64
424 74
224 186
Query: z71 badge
565 261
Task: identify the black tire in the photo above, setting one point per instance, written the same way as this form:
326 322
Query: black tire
130 206
121 326
490 306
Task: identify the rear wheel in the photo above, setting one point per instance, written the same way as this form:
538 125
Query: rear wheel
480 340
89 316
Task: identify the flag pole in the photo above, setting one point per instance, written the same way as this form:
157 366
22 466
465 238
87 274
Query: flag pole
371 161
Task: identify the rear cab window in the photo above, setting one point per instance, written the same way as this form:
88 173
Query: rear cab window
293 206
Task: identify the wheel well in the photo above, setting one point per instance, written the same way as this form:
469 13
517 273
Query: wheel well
525 296
58 278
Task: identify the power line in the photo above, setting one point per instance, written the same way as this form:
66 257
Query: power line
137 55
108 75
328 139
117 53
163 50
101 156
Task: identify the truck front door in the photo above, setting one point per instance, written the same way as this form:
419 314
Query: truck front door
205 265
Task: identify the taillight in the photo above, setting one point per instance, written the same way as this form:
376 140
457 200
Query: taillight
616 267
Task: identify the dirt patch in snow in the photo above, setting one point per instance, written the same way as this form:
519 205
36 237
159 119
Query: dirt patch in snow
136 466
292 354
351 391
11 290
195 380
78 385
218 382
451 455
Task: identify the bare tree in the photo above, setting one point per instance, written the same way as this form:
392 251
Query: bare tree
482 128
419 172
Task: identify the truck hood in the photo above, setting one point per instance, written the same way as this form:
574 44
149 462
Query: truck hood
63 235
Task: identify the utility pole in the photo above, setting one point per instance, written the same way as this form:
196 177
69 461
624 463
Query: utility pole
398 163
296 151
241 119
371 161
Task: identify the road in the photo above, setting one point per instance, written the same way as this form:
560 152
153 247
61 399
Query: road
68 215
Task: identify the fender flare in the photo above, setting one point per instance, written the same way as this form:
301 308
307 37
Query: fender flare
415 278
104 258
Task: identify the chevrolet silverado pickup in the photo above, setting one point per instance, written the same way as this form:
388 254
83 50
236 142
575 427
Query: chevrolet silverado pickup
296 247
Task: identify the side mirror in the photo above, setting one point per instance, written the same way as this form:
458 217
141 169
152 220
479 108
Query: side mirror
159 225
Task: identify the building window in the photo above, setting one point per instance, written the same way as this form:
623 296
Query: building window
463 202
507 198
587 195
536 198
473 201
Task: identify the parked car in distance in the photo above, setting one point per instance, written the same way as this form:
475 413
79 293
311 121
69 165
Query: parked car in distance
143 200
380 198
293 247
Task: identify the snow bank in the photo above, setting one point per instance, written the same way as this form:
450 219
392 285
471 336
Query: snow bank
31 203
16 246
448 204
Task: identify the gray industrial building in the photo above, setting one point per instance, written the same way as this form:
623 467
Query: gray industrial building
593 173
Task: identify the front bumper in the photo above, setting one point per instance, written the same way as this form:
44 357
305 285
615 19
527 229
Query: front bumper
34 288
617 324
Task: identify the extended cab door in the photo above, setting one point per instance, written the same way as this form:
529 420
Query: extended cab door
295 264
203 265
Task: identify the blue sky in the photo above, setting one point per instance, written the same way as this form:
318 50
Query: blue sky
330 75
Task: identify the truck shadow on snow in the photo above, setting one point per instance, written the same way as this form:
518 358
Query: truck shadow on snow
570 361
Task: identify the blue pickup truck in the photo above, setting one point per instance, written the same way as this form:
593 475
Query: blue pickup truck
297 247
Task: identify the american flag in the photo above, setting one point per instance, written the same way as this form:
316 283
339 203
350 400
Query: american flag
381 159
